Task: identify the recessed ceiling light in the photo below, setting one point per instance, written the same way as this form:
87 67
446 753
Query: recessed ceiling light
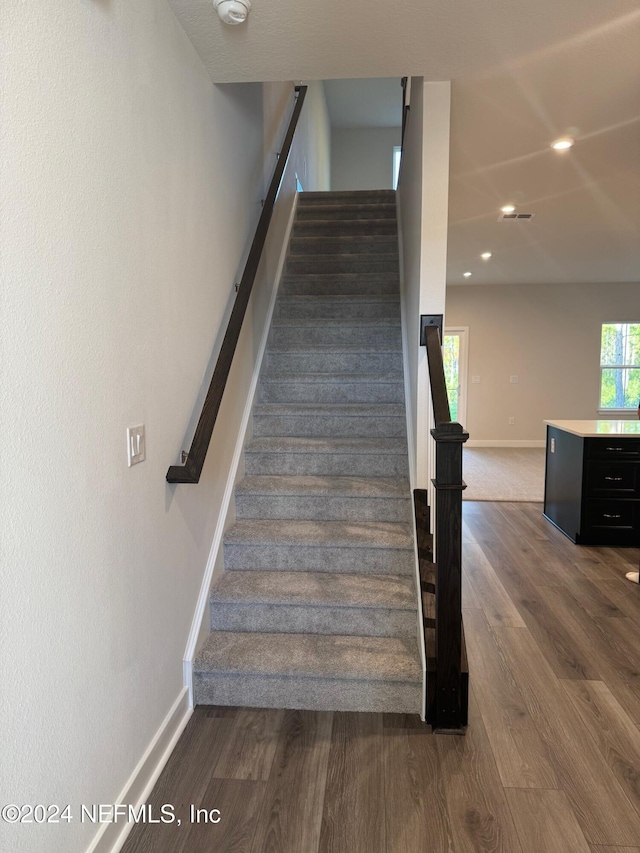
466 274
508 208
485 256
563 143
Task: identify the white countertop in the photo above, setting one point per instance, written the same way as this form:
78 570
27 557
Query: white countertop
596 429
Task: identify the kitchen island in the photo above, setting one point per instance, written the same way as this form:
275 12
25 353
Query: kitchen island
592 481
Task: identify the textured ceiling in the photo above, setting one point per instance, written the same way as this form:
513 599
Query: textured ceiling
439 39
522 72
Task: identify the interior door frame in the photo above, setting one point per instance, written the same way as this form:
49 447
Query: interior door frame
463 369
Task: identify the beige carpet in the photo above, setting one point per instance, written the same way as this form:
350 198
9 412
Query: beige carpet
503 473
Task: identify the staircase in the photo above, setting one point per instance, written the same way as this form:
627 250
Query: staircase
317 605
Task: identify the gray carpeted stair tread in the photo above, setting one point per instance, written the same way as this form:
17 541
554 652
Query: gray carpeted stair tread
334 349
354 262
347 212
340 378
339 240
332 331
349 324
310 656
340 244
345 446
323 498
314 360
364 605
331 286
315 589
345 307
327 456
330 419
341 278
331 388
351 410
360 259
339 196
340 299
322 534
370 487
347 227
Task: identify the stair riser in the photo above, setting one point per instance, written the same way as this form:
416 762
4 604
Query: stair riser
323 508
295 619
344 227
331 426
336 287
320 310
326 464
349 212
331 392
334 362
321 694
307 558
348 263
341 196
336 334
360 245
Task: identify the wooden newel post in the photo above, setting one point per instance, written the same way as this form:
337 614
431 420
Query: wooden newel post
448 711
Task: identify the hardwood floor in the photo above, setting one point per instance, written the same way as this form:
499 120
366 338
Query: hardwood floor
550 762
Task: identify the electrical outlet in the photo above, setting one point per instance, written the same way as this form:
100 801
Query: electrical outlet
512 421
514 380
136 445
553 445
475 380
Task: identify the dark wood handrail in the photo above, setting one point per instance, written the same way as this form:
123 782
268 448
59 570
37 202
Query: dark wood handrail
449 708
437 380
192 469
405 109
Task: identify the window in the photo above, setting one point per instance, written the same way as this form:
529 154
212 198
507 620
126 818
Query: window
620 366
397 154
454 355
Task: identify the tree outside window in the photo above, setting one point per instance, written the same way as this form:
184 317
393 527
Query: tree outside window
620 366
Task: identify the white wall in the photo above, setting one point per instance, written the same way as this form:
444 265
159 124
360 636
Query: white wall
130 186
316 130
362 157
546 335
423 207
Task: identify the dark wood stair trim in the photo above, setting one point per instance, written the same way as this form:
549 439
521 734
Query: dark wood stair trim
447 675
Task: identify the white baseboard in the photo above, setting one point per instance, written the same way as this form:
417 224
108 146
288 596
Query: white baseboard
202 610
504 442
111 836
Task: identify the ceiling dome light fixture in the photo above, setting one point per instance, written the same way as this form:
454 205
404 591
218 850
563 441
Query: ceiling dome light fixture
508 208
232 11
485 256
563 144
466 274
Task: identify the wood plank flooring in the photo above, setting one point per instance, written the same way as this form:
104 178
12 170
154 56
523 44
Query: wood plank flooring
550 762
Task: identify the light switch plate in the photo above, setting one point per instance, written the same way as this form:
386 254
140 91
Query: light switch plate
136 445
475 380
514 380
